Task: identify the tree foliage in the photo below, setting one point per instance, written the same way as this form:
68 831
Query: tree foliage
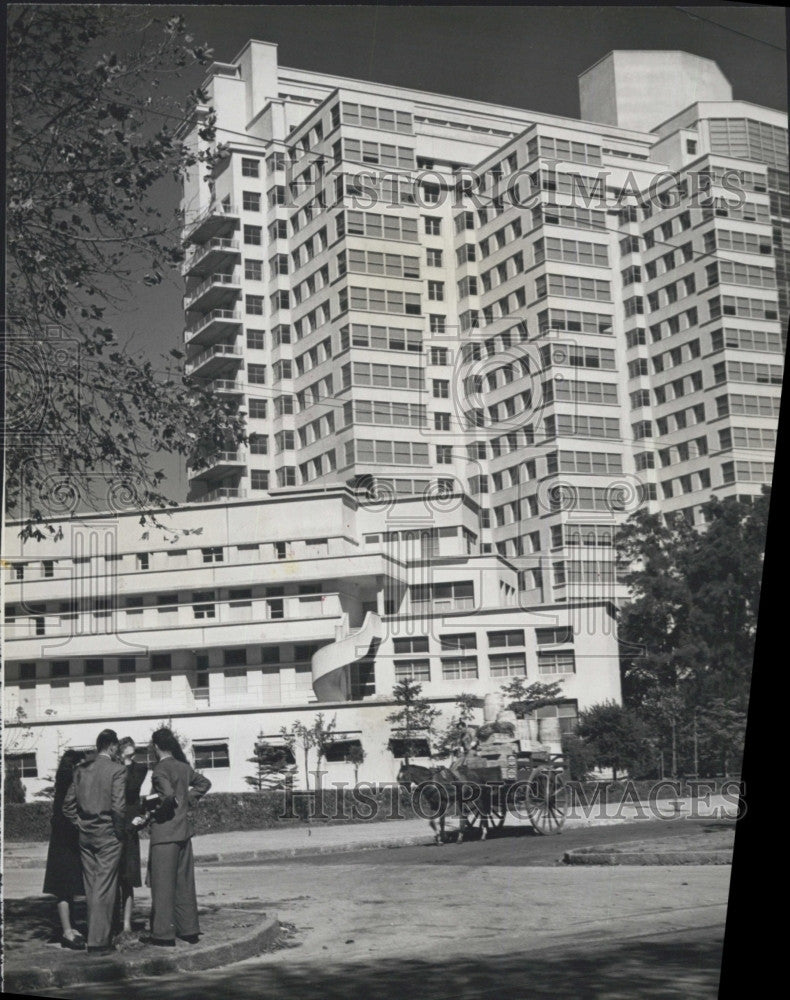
449 739
306 738
356 757
13 787
415 719
523 698
687 634
616 737
579 755
91 136
273 766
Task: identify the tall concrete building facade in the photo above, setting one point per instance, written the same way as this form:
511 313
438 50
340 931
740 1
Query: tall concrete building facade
562 319
469 341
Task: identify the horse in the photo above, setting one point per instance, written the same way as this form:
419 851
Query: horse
438 788
436 791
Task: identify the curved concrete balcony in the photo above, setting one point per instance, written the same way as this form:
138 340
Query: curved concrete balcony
221 357
221 464
217 291
330 677
301 618
226 386
214 324
217 220
214 254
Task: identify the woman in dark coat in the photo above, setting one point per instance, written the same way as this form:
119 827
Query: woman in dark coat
63 875
130 873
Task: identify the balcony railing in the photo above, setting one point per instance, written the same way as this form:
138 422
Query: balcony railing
213 281
225 493
225 457
216 217
219 350
217 317
218 247
188 614
225 385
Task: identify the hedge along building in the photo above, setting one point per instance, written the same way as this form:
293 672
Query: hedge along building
239 618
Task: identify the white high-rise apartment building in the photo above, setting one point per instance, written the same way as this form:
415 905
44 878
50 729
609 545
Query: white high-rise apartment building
427 295
469 340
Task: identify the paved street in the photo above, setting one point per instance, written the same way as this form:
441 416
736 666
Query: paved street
391 924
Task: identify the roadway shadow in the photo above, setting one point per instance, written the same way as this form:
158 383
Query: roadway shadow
652 969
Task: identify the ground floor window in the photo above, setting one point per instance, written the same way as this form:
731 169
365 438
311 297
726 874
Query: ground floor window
417 747
342 750
211 755
25 763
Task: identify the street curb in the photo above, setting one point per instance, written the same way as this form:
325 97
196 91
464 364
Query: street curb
116 969
276 854
647 858
413 840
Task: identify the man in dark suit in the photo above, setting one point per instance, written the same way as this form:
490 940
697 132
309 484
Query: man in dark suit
173 898
95 803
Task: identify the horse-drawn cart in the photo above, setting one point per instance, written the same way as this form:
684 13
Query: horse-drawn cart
528 783
499 777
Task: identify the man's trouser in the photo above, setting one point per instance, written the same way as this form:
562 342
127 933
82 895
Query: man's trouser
173 899
100 860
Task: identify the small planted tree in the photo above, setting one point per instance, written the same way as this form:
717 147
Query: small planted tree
523 698
322 736
450 737
415 719
269 760
300 738
356 757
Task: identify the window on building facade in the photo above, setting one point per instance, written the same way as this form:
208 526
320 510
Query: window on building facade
508 665
559 662
24 763
211 755
203 604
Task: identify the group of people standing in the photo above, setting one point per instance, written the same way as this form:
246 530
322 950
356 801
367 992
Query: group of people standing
94 848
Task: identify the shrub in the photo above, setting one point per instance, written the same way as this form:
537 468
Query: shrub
224 812
13 788
580 761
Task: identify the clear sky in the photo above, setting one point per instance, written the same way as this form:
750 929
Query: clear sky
524 56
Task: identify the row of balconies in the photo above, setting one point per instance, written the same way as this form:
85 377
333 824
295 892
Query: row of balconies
125 634
288 563
114 700
187 615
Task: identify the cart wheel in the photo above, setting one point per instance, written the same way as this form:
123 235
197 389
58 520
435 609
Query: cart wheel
547 803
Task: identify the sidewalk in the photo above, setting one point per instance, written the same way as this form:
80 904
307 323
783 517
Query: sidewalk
321 837
35 960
